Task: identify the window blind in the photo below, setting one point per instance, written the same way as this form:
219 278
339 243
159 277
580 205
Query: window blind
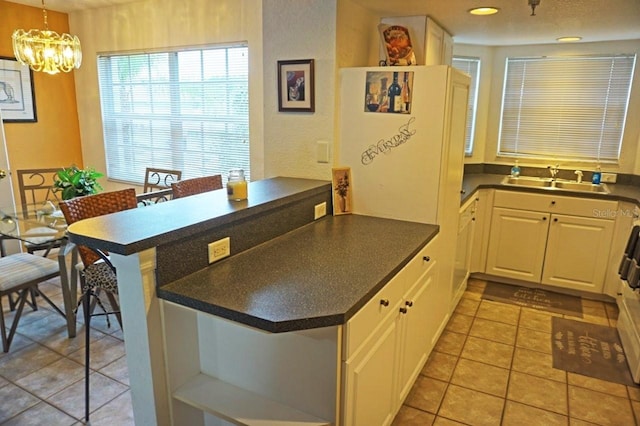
567 107
185 110
470 66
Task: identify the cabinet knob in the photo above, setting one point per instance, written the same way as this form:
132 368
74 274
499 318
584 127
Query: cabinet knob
426 258
403 310
409 303
553 202
384 302
555 219
462 191
544 218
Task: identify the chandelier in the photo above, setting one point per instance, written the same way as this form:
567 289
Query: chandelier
45 50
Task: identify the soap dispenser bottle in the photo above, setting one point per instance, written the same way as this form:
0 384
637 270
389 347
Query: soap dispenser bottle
515 170
597 175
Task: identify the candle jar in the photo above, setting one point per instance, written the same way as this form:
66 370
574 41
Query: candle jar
236 185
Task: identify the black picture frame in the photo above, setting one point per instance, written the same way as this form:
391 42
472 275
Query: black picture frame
296 91
17 94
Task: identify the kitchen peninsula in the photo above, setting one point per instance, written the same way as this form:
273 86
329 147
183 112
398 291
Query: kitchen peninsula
270 333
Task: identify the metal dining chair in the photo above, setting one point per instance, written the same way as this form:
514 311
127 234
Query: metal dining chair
187 187
97 274
35 187
158 179
21 273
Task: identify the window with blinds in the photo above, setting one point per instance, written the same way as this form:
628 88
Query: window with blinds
566 107
184 110
470 66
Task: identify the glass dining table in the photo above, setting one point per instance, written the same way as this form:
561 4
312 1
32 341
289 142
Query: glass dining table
44 225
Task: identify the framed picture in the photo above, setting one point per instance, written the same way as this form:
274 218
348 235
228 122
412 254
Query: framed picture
388 91
341 183
17 97
295 86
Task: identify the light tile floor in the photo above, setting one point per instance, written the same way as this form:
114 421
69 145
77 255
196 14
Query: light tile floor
42 375
491 366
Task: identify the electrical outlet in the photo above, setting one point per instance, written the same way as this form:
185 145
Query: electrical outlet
219 249
608 177
320 210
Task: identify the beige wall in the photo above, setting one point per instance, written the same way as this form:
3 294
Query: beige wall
54 140
299 29
492 77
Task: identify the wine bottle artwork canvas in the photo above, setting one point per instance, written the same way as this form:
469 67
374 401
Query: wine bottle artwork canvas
389 92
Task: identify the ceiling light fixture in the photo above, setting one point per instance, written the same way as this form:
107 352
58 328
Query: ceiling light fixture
484 10
568 39
533 4
45 50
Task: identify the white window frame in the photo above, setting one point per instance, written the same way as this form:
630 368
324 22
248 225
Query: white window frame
470 65
572 108
191 112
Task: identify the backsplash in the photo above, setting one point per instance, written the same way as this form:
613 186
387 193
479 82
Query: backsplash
503 169
244 233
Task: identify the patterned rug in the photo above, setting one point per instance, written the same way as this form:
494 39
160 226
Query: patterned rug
589 349
534 298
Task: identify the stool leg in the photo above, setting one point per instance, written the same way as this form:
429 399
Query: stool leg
6 341
86 297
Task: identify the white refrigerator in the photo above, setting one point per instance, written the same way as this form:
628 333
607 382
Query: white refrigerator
407 164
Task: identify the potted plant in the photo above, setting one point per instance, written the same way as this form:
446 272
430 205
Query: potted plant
74 182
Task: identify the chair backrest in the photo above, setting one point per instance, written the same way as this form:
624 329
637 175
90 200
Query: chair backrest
97 205
156 179
187 187
36 187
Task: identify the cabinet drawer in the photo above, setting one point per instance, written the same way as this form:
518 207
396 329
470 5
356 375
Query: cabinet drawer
417 266
551 203
373 314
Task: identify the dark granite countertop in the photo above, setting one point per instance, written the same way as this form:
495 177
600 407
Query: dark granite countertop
318 275
132 231
474 181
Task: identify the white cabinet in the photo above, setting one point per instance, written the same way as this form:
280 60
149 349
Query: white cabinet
464 244
387 342
577 252
482 230
431 43
517 244
548 239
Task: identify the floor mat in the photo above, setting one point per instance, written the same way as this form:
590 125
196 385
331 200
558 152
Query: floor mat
589 349
534 298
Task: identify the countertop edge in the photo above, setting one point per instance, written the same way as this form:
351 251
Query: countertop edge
472 182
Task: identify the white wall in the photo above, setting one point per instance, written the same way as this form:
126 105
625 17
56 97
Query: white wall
488 121
299 29
157 24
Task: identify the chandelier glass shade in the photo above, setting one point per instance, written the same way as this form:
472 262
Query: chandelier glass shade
45 50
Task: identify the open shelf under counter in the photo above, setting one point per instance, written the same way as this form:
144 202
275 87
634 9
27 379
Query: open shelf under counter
240 406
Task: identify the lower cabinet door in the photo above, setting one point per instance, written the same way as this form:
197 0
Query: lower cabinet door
417 328
517 244
370 380
577 252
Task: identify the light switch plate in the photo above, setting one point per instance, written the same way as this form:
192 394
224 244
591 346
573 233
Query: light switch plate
322 151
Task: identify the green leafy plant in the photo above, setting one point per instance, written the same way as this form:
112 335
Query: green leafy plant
74 182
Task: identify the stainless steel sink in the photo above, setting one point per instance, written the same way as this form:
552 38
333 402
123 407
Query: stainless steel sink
555 184
582 186
527 181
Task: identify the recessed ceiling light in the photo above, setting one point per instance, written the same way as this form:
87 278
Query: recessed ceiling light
484 10
568 39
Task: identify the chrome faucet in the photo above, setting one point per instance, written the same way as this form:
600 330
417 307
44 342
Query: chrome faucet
579 174
553 170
